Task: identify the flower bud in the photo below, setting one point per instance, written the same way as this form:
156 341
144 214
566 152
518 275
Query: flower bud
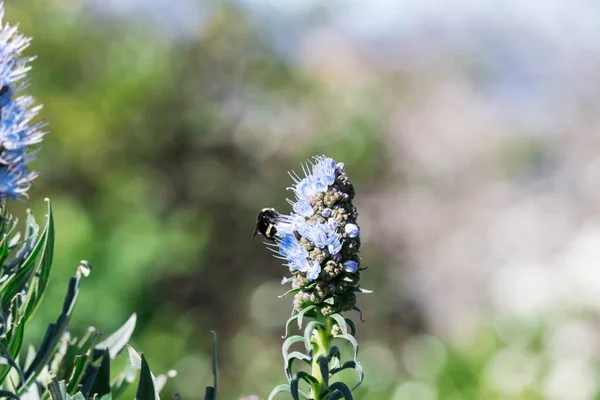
352 230
351 266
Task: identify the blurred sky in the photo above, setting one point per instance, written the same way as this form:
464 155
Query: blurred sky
535 51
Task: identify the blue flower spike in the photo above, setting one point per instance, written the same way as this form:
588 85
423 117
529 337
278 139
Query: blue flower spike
17 132
320 238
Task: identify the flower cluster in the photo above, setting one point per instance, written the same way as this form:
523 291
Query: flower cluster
320 238
17 133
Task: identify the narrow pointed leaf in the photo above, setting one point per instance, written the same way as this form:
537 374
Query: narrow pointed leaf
352 340
323 361
357 308
115 342
301 314
146 389
308 331
214 363
277 390
291 291
57 389
295 355
289 342
101 385
352 326
340 391
9 395
351 365
45 266
5 353
209 393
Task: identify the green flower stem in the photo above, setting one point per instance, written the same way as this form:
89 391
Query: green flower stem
321 343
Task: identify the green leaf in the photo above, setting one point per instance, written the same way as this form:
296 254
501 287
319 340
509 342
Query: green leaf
310 327
291 291
294 383
304 312
17 282
214 363
357 308
58 390
7 356
334 352
352 326
361 290
351 365
126 378
77 348
323 362
45 266
15 341
352 340
209 393
161 380
289 342
8 394
341 322
295 355
285 388
298 316
277 390
115 342
341 390
146 389
3 249
101 385
79 367
53 335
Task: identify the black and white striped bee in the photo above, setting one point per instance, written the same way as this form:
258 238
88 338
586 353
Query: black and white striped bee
265 223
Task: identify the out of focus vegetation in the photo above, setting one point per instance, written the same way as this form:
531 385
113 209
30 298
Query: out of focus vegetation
473 203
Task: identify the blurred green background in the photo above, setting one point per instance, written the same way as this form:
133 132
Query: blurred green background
470 133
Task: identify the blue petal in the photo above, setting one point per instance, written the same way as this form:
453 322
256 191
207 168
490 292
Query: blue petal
335 244
314 271
308 187
303 207
288 224
350 266
324 170
299 264
296 254
317 234
290 248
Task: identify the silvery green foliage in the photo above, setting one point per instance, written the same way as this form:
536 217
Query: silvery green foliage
61 366
320 241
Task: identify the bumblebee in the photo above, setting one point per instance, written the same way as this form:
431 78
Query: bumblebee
265 223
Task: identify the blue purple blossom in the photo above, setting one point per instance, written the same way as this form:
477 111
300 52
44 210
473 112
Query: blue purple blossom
17 132
320 238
